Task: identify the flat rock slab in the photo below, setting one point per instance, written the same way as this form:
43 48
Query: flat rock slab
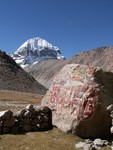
78 99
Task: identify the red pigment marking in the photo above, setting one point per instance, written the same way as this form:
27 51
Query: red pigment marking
90 89
89 107
82 88
76 78
91 70
82 107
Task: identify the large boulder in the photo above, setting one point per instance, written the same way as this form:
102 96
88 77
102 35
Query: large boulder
79 98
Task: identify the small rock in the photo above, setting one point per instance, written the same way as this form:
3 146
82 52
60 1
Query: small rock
26 121
35 121
27 114
111 130
44 119
4 130
9 122
34 114
88 147
5 114
37 108
14 129
19 114
35 128
45 109
26 128
0 129
111 114
44 126
110 108
80 145
30 107
100 143
0 123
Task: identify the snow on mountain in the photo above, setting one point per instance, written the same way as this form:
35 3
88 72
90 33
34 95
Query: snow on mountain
35 50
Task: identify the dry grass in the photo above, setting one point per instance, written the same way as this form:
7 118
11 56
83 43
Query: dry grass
49 140
17 100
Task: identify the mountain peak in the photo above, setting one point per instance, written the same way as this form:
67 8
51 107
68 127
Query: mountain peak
35 50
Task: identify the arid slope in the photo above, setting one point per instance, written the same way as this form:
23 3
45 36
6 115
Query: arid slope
13 77
45 71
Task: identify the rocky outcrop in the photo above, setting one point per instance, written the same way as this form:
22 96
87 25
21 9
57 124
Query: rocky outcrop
13 77
25 120
79 98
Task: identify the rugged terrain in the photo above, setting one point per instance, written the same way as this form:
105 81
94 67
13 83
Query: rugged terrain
45 71
13 77
48 140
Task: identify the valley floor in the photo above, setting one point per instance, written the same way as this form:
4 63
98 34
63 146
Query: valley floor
48 140
17 100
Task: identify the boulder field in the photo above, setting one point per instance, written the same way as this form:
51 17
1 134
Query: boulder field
81 98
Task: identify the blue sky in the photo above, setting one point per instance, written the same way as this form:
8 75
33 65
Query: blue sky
72 25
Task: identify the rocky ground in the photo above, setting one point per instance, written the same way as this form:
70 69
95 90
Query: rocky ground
48 140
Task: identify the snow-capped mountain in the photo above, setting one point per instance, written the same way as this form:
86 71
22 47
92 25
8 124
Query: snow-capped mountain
35 50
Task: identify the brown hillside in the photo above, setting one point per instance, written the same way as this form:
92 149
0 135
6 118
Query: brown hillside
13 77
45 71
101 57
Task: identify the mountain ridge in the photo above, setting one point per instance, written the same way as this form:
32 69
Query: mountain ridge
13 77
99 57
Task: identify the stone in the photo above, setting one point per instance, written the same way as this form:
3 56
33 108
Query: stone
45 109
80 145
34 114
110 108
14 129
100 142
111 130
26 128
4 130
0 123
26 121
19 114
44 126
27 114
79 98
35 128
111 114
88 147
30 107
35 121
44 119
5 114
9 122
